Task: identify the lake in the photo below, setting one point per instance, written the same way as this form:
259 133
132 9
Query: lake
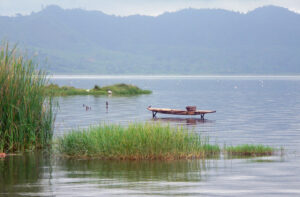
250 109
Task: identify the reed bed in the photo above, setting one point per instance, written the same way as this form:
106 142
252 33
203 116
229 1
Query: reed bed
249 150
116 90
136 142
26 115
125 89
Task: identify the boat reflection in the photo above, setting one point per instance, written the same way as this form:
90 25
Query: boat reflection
188 121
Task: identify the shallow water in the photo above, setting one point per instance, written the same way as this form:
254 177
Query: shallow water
262 110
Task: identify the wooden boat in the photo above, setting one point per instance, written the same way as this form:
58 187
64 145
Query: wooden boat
179 112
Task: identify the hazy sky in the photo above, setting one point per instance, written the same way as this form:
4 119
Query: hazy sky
144 7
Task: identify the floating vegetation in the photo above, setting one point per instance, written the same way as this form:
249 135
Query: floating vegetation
136 142
26 116
249 150
117 90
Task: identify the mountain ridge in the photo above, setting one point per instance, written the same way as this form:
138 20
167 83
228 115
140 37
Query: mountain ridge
189 41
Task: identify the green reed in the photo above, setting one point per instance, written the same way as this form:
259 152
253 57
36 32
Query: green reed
249 150
26 116
135 142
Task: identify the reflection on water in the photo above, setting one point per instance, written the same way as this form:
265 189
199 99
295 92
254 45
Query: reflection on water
38 174
185 121
135 171
35 174
19 171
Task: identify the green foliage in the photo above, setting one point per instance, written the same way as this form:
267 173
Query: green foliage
117 90
137 141
249 150
26 116
55 90
147 142
96 87
125 89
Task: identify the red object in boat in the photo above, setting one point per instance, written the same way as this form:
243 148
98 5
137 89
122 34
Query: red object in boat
191 108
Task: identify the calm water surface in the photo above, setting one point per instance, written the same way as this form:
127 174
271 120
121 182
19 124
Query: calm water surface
262 110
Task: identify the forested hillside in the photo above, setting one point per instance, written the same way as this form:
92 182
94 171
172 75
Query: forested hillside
207 41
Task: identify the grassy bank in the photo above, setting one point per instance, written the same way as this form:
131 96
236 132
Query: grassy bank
116 90
26 116
137 141
249 150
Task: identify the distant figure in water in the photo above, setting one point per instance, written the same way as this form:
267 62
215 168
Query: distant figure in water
87 108
106 106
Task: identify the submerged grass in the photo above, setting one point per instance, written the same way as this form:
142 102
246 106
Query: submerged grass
249 150
263 161
136 142
26 116
117 90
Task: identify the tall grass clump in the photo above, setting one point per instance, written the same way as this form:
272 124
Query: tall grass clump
249 150
136 142
26 116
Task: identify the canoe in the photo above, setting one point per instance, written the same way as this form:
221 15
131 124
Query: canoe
179 112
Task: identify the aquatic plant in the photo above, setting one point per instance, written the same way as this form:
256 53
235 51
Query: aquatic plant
53 89
249 150
26 116
117 90
135 142
96 87
125 89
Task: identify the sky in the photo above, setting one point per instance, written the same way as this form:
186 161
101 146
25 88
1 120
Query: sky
142 7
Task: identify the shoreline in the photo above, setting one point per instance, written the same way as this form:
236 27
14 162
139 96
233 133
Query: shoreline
245 77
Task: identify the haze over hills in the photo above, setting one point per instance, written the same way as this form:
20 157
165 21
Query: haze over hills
190 41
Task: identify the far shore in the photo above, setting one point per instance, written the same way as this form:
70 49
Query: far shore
120 89
87 76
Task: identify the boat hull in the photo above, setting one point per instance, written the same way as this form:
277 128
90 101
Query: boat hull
179 112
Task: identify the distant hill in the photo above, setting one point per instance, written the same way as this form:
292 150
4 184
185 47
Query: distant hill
190 41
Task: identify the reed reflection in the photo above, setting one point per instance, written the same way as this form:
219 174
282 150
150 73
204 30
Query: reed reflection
21 173
135 171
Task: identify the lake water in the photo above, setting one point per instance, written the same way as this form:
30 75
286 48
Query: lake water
262 110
